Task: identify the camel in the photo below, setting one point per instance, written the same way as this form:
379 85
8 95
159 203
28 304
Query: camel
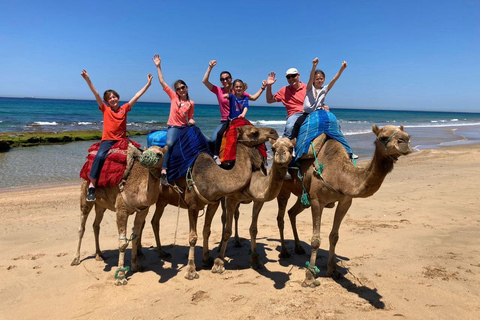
208 183
262 188
140 191
339 182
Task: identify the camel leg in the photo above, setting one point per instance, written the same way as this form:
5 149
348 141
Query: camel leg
207 261
191 272
219 264
120 273
292 215
340 212
317 209
99 211
139 245
85 208
223 202
138 225
282 205
160 208
236 239
254 257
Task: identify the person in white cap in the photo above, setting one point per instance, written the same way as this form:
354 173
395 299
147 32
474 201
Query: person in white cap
292 97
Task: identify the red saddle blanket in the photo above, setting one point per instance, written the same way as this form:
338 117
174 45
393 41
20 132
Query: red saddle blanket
114 166
228 151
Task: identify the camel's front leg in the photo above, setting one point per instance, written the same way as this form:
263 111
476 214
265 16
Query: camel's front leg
236 240
282 206
231 204
292 215
254 257
207 261
138 225
99 212
120 273
159 209
312 270
340 212
191 272
85 208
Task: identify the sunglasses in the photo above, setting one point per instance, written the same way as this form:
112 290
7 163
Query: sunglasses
291 76
181 88
225 79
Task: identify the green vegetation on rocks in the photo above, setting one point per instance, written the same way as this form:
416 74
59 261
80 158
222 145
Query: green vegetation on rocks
10 140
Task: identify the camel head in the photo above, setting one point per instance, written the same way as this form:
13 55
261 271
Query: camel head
282 150
153 157
252 136
392 141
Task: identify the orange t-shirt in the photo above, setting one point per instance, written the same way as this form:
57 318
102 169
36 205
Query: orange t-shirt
292 98
180 111
114 123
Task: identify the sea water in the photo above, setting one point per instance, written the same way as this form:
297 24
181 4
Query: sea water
62 163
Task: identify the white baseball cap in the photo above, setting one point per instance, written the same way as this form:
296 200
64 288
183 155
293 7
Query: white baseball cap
292 71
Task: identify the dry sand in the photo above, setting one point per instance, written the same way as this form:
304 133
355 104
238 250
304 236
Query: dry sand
410 251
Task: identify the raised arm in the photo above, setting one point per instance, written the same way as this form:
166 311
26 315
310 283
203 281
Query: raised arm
206 77
312 74
337 76
142 91
94 90
270 81
156 59
259 92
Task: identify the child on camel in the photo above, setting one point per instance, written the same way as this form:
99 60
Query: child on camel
114 125
181 113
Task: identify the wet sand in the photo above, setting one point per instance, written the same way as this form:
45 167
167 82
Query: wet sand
410 251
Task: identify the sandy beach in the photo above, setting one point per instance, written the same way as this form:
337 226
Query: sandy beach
410 251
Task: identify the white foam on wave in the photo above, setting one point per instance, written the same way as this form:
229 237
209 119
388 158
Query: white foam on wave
356 132
268 122
84 123
45 123
442 125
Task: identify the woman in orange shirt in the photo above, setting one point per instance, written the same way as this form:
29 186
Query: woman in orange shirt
181 113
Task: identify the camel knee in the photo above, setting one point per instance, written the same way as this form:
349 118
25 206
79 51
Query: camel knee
253 232
334 238
315 242
193 240
226 235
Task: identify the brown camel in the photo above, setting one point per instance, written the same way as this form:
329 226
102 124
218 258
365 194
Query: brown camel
140 191
263 187
339 182
208 183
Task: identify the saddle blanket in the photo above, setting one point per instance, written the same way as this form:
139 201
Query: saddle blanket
228 151
114 166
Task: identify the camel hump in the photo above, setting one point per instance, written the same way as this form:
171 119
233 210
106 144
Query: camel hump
318 143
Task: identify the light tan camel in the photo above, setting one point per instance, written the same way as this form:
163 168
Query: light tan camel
209 183
263 187
140 191
339 182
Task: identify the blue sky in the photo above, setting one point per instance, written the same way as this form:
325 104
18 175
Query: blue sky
412 55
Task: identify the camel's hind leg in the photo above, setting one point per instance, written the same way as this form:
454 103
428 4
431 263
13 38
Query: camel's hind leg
137 230
342 209
99 212
254 257
120 273
207 261
85 208
282 201
236 240
191 272
292 215
317 209
219 263
160 208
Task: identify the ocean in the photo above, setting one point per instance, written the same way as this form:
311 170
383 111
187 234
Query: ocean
62 163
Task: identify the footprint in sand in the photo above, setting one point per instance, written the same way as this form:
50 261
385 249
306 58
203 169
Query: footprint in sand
62 254
199 296
11 267
29 256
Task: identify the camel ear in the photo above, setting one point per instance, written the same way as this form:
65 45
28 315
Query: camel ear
401 128
272 141
375 129
294 141
164 150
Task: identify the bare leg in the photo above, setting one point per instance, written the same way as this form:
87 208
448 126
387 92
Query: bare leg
99 211
311 271
120 273
137 229
254 257
340 212
191 272
85 208
207 261
160 207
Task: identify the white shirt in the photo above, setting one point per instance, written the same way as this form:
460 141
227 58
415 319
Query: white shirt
314 99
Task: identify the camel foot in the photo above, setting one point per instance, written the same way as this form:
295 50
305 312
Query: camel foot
207 264
335 274
255 261
140 252
284 254
237 244
310 280
191 274
75 261
299 250
99 257
121 282
218 266
137 268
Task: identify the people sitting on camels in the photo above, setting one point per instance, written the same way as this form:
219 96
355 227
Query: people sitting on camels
114 125
181 113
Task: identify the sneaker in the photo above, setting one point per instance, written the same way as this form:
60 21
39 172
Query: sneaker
91 194
354 156
217 160
163 179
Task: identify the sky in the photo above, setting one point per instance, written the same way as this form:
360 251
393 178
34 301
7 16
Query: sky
401 55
